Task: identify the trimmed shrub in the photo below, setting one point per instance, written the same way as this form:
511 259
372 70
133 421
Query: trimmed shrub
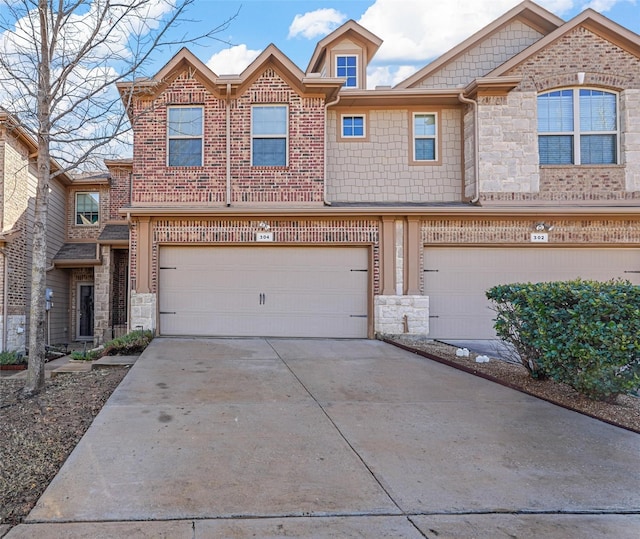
582 333
129 344
516 324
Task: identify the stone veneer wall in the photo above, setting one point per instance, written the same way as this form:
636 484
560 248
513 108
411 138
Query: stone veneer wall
508 143
401 314
143 311
102 297
630 140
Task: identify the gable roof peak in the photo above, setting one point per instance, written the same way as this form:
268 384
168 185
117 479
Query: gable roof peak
527 11
370 40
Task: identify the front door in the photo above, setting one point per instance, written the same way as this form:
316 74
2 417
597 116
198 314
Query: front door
85 311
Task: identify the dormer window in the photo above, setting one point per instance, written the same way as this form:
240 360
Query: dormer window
347 68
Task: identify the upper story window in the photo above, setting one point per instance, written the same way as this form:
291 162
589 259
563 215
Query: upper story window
425 134
347 67
87 208
353 126
185 127
578 126
269 134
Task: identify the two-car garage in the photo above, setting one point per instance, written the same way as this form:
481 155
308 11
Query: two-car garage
266 290
456 278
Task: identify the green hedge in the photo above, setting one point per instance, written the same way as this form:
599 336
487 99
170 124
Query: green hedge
582 333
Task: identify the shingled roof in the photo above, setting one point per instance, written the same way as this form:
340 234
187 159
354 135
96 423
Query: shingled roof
77 254
114 234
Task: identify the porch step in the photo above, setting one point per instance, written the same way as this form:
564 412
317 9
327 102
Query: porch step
72 366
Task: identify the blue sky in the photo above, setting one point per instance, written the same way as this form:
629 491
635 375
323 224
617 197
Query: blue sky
413 31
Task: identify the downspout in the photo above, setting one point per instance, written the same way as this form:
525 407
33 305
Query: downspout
228 113
326 142
5 299
476 146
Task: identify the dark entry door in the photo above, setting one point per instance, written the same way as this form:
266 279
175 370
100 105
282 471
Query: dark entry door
85 311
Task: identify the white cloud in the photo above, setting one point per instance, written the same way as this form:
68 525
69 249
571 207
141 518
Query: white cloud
413 30
389 75
316 23
606 5
233 60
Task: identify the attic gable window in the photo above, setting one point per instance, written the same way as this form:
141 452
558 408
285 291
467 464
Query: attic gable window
87 208
184 130
347 68
269 135
578 126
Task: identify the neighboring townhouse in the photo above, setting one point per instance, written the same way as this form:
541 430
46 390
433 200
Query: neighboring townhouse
95 255
87 247
18 184
278 202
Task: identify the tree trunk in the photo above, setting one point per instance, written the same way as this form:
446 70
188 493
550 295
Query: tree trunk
37 351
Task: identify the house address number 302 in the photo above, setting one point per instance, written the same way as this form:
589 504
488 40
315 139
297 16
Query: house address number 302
539 237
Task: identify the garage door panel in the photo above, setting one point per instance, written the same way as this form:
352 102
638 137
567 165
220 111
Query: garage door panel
456 278
263 291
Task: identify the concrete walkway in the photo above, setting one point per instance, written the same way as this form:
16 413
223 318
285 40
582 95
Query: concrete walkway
334 438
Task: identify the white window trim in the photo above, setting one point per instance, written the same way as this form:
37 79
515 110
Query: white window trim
576 132
352 137
434 137
186 137
76 213
275 136
357 85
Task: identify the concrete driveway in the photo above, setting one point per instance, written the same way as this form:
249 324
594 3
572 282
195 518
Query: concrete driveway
334 438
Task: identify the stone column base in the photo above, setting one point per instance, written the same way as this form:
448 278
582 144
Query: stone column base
395 315
143 312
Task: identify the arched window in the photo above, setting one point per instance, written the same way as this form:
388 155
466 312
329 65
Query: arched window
578 126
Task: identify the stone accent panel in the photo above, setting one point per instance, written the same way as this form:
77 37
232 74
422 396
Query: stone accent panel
16 333
630 139
143 312
508 143
396 315
102 297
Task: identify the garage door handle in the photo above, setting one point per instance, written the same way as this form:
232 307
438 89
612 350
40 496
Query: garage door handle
262 298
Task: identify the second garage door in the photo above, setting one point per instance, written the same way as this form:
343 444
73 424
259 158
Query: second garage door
264 291
456 278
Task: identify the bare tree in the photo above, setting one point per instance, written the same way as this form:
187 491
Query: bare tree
59 62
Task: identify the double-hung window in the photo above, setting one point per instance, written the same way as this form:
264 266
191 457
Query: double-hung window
425 133
87 208
353 126
578 126
347 68
184 128
269 135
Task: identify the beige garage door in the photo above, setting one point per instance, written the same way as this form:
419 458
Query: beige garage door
263 291
456 278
